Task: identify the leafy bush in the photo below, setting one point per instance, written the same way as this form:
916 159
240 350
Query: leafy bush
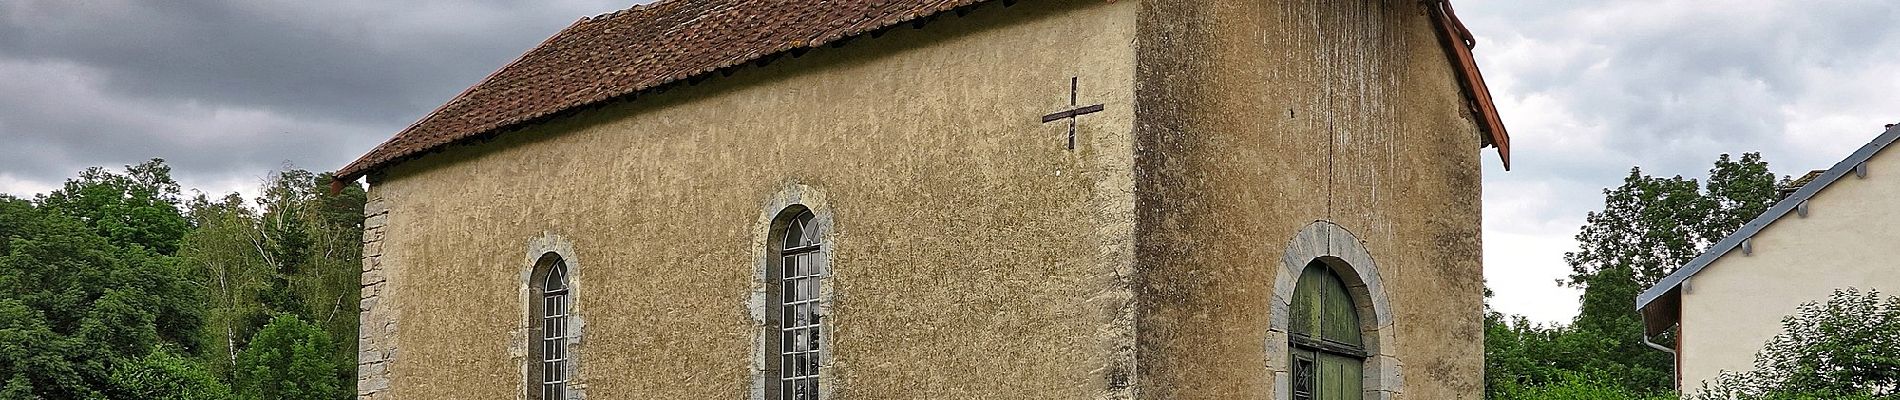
1577 386
291 360
1845 348
162 375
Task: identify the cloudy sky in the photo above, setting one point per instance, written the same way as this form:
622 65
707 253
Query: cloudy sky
227 90
1590 89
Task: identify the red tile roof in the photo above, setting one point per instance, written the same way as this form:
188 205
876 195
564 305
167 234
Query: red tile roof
1458 42
608 56
620 54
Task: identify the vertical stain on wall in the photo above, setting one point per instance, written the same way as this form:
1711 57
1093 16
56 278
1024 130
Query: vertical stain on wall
1257 118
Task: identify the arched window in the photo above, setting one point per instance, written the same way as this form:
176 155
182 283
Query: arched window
1323 336
793 373
550 371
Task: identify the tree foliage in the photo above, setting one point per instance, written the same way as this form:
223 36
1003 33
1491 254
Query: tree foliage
1578 386
137 208
225 245
1517 354
296 253
1648 227
1846 347
1740 190
162 375
291 360
87 282
112 287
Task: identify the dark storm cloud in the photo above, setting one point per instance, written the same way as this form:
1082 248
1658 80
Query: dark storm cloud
65 119
366 61
233 88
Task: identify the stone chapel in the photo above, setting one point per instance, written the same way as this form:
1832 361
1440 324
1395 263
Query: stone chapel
943 199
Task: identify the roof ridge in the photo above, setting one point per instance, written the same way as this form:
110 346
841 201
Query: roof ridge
635 7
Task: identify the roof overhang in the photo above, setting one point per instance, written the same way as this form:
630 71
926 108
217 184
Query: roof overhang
1456 39
1660 304
1458 42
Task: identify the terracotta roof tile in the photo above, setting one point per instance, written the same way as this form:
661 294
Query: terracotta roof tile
645 47
612 55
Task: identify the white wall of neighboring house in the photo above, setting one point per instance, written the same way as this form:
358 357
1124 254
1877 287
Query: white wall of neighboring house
1849 238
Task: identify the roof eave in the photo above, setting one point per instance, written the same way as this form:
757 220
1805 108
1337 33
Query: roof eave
368 163
1670 283
1457 41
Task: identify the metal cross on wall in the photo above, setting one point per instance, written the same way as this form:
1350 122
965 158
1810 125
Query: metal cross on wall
1075 111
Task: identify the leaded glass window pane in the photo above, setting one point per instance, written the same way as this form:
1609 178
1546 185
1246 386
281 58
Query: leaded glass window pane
799 323
1305 375
553 313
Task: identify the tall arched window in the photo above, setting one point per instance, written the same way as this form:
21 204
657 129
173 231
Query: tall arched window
1324 338
551 368
793 374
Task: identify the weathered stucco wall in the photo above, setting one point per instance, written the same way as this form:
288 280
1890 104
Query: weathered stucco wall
973 255
1259 118
1732 307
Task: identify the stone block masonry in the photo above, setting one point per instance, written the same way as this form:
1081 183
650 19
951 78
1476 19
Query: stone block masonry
377 329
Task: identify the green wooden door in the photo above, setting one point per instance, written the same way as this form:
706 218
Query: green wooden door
1327 351
1339 377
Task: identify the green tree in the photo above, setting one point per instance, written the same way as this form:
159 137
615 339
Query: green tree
139 207
1652 225
119 325
36 362
1741 190
291 360
320 235
1846 347
86 285
297 252
329 230
285 205
108 290
1515 352
162 375
227 246
1648 227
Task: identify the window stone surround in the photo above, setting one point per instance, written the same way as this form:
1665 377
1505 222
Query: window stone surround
542 251
1346 254
783 205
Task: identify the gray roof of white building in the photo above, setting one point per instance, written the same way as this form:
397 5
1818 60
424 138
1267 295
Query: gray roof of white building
1668 286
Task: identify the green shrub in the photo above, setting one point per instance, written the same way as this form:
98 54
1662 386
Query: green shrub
162 375
1845 348
1577 386
291 360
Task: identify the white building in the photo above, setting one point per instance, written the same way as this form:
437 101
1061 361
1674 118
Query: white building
1840 230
